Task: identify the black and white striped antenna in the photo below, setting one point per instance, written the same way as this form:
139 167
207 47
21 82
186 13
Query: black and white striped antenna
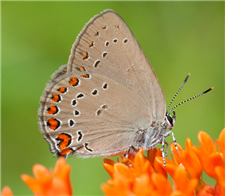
186 99
177 92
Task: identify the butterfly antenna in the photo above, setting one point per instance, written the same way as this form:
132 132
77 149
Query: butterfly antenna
191 98
177 92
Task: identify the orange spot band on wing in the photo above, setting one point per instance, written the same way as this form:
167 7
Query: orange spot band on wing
85 55
73 81
62 90
52 109
66 151
85 75
56 98
65 140
53 123
91 44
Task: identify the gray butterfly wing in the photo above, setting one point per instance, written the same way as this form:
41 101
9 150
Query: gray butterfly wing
101 115
91 115
107 46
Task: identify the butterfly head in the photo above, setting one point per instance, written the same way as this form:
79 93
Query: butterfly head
171 120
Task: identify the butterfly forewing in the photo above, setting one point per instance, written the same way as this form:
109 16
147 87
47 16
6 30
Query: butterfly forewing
116 54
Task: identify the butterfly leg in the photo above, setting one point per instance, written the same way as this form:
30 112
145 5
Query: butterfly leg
128 151
163 142
162 149
174 139
167 145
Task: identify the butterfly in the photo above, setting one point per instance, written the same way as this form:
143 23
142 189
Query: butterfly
107 100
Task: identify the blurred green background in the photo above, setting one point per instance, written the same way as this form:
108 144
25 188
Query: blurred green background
177 37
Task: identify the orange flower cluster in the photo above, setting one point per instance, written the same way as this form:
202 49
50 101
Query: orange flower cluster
139 175
46 182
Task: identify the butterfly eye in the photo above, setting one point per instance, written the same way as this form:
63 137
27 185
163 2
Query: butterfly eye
169 118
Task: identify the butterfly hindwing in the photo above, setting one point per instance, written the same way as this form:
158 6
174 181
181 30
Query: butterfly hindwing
90 111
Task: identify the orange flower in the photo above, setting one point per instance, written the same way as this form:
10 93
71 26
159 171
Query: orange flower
195 159
220 180
207 190
153 153
219 170
139 175
221 143
208 155
186 158
184 185
6 191
140 178
185 168
136 178
46 182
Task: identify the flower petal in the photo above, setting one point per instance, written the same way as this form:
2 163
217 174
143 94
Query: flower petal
216 159
206 143
189 148
209 161
158 167
62 170
177 154
109 161
220 172
32 183
188 144
6 191
139 159
204 159
183 183
152 155
191 165
41 173
159 180
122 185
141 164
170 166
110 169
143 186
62 173
173 148
50 183
106 189
221 142
123 170
60 188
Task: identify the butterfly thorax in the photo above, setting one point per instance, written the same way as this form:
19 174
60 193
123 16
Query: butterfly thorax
152 136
